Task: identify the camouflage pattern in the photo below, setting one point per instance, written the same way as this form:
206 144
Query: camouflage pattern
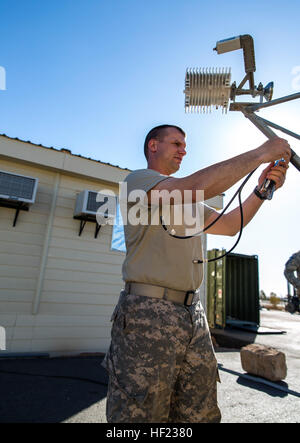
161 363
292 265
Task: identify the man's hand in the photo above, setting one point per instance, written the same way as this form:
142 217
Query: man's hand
274 149
229 224
275 173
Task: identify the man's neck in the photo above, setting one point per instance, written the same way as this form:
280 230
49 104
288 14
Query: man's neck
156 167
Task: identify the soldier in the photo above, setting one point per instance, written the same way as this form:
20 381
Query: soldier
292 265
161 363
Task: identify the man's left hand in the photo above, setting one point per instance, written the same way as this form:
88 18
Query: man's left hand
275 173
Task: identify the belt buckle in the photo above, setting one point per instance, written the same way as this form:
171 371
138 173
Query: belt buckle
187 296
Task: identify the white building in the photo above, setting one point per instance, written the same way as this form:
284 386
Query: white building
57 288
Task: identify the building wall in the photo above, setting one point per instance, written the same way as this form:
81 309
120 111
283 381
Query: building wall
58 289
82 276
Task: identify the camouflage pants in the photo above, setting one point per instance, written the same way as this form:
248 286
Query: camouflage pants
161 363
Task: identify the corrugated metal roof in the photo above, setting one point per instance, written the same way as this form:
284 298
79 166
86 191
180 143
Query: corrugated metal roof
63 150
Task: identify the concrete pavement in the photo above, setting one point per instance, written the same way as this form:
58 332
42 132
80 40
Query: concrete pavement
73 389
243 400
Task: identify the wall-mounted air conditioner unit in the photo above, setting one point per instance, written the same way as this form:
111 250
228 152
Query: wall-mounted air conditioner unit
95 206
17 188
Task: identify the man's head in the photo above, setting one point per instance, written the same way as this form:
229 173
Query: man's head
164 148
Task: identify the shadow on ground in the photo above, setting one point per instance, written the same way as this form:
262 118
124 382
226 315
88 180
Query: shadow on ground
49 390
275 389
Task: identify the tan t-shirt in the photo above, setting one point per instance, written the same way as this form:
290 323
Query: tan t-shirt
153 256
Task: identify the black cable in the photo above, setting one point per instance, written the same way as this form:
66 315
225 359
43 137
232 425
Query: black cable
238 192
238 239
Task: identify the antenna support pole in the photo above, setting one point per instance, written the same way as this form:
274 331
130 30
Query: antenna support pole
264 125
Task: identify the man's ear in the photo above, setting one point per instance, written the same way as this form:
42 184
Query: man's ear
152 145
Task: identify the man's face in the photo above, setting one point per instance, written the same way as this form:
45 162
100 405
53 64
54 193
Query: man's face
170 150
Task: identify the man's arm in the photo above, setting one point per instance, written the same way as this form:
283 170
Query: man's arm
229 224
219 177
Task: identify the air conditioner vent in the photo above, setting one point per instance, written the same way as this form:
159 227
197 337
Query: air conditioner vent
87 205
95 207
92 205
15 187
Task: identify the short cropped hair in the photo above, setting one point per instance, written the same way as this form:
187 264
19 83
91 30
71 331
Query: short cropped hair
158 133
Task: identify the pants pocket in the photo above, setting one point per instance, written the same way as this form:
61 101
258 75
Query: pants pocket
132 382
118 305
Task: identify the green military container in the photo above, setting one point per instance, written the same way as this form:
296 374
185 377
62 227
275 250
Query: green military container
232 290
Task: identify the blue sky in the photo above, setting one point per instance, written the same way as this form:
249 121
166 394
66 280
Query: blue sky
94 76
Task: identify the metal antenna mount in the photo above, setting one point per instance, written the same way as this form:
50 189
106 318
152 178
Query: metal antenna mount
205 89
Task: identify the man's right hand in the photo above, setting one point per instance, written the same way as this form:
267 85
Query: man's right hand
275 149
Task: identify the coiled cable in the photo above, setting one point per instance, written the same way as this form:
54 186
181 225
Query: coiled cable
237 193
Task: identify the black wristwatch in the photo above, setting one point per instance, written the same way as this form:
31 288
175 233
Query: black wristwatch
258 194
